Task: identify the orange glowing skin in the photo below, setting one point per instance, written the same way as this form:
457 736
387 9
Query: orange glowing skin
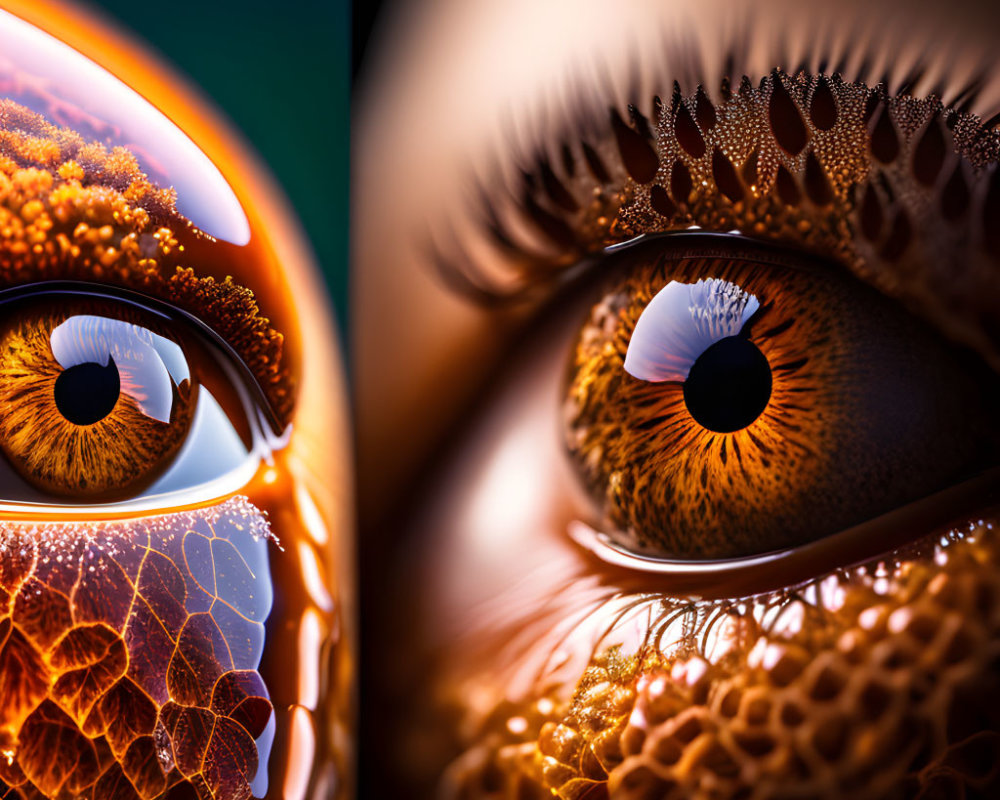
203 647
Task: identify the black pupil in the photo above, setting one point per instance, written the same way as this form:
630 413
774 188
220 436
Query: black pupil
87 393
729 385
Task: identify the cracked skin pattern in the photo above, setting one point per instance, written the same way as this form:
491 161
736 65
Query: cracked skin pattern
887 685
129 656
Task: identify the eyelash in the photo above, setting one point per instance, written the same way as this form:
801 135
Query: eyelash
566 203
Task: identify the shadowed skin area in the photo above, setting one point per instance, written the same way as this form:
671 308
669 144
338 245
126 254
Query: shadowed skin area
875 680
188 645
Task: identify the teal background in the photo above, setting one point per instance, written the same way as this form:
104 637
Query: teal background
281 72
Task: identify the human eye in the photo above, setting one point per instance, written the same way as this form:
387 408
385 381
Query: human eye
172 540
714 525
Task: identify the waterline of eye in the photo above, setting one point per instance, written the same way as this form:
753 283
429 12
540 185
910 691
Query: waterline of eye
602 545
216 489
935 517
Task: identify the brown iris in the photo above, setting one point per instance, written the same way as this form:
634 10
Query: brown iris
723 407
97 398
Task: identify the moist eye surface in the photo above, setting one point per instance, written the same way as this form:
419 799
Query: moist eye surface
107 401
726 407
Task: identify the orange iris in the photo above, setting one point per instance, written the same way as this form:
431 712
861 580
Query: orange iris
92 409
854 385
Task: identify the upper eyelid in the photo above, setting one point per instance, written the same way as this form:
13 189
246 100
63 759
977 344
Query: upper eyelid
527 217
578 198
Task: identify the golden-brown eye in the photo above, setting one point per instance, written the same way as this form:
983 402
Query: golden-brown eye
750 408
722 407
106 399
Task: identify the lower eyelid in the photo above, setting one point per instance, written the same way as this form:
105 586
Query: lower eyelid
887 537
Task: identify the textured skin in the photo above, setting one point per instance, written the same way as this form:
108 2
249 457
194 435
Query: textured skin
129 655
888 688
846 185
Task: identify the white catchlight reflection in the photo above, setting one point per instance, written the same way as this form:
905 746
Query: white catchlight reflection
681 322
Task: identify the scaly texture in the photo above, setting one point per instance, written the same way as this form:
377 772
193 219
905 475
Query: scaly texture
129 655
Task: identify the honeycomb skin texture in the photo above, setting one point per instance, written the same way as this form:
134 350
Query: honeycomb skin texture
894 693
129 656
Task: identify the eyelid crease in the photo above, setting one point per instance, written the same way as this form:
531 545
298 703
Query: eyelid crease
695 243
879 190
